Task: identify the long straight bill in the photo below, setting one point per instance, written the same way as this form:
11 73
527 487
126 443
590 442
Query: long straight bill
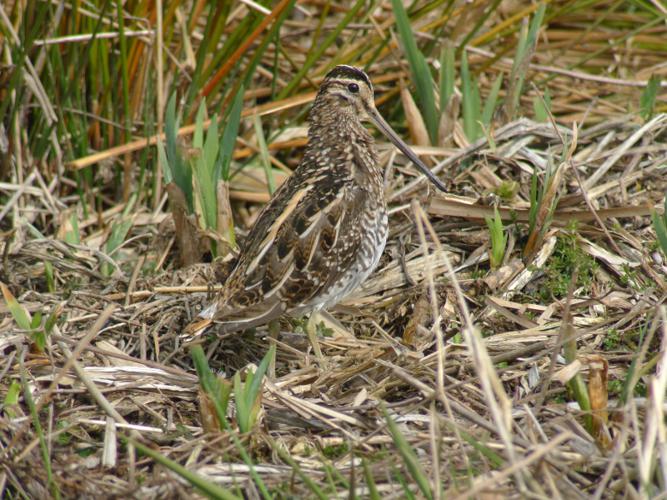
384 127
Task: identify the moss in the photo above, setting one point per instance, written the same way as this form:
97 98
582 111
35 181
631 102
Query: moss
568 257
335 451
323 330
507 190
86 452
641 390
64 438
560 399
630 277
612 340
615 387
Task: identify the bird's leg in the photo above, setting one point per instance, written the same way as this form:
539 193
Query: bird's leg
274 331
311 331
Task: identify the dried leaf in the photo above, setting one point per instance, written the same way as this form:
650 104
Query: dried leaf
545 209
448 121
414 119
225 218
421 314
568 372
191 246
498 278
20 314
597 393
209 418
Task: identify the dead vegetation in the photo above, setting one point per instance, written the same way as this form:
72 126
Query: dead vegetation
540 374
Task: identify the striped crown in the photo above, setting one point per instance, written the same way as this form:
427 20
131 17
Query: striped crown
348 73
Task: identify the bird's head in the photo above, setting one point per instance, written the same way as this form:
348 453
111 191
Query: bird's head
347 93
348 90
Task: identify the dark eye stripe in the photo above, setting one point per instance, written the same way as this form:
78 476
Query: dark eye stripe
344 86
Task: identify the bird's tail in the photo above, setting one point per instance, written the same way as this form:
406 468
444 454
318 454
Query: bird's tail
199 325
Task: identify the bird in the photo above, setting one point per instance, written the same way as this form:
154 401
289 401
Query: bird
324 229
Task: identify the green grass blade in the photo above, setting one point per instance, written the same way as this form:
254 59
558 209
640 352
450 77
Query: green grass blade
30 402
204 372
409 457
316 54
116 238
660 227
534 201
18 312
211 148
255 387
407 492
73 235
272 35
373 492
49 276
535 24
228 141
524 51
118 233
494 458
542 106
218 390
285 457
242 410
479 23
470 102
164 163
181 173
124 71
204 173
419 70
206 487
490 103
12 396
447 75
214 47
247 394
198 136
648 97
633 373
171 124
577 384
264 154
498 239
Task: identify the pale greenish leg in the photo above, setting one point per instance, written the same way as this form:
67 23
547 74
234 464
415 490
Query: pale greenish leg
311 330
274 332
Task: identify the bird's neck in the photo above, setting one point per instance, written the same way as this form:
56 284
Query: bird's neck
337 131
340 141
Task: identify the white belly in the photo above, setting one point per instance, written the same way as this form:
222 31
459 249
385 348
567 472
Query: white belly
371 247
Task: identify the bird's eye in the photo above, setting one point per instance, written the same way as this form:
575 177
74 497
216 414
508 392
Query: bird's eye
353 87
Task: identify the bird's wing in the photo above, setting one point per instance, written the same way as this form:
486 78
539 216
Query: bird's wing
297 248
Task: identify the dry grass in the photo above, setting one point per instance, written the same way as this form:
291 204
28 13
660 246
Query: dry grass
477 368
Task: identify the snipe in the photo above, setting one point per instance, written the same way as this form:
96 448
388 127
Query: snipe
325 228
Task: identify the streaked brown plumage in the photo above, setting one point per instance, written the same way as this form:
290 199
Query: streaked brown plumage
325 228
